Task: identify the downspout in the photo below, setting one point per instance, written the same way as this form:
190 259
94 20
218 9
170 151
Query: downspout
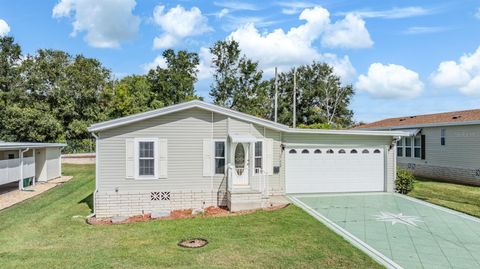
20 183
97 168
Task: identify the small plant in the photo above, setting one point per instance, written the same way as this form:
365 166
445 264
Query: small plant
404 182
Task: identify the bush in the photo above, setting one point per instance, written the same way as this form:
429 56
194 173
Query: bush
404 182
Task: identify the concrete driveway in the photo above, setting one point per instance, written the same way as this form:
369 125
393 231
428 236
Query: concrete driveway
399 231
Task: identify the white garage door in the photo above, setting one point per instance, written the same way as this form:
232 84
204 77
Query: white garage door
317 170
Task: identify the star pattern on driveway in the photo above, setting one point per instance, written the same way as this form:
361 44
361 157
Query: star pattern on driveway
398 218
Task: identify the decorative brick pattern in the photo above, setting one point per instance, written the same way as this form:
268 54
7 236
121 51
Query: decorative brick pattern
449 174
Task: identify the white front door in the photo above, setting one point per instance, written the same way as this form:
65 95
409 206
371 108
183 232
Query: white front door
241 162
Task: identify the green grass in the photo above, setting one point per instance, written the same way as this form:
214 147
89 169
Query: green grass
455 196
43 233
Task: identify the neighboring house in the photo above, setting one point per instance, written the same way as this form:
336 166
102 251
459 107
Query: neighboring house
442 146
195 155
36 161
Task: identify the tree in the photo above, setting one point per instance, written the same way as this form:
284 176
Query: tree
238 83
10 59
320 97
131 94
174 83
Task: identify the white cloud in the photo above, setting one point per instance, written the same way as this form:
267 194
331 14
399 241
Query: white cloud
106 23
205 67
294 47
394 13
464 74
425 30
223 13
477 13
390 81
4 28
293 7
177 24
348 33
233 5
158 61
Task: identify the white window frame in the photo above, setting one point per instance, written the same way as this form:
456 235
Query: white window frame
137 158
215 157
415 146
409 146
400 147
255 156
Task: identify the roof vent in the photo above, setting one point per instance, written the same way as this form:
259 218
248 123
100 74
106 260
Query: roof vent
456 117
402 119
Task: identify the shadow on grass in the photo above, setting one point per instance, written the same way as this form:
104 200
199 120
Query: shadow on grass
89 201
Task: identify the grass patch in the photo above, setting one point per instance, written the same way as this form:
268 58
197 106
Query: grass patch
455 196
43 232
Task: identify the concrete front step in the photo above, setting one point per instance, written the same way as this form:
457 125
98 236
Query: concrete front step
244 199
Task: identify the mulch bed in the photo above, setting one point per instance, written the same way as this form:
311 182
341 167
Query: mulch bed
211 211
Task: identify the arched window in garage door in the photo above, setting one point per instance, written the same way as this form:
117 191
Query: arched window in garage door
342 151
330 151
353 151
317 151
365 151
376 151
305 151
292 151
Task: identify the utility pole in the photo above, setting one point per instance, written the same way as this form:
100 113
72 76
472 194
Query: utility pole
276 94
294 97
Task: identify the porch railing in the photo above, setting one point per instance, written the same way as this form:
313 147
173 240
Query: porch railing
262 181
10 169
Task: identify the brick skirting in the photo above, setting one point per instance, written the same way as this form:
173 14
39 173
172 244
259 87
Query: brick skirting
449 174
108 204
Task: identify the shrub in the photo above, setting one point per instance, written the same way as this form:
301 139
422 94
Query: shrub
404 182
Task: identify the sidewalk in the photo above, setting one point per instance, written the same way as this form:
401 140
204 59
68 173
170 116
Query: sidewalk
10 195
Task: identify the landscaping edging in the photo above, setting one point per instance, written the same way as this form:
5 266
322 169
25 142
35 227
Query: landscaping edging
211 211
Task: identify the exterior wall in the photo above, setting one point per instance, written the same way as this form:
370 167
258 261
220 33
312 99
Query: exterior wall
41 164
53 163
185 131
348 140
457 161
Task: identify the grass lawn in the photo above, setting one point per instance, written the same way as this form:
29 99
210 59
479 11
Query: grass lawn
455 196
47 232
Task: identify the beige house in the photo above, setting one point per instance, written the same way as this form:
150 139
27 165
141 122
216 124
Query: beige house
443 146
195 155
38 162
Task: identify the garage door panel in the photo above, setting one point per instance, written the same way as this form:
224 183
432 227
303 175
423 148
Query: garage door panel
337 172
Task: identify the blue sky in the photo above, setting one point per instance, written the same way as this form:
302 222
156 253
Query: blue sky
403 57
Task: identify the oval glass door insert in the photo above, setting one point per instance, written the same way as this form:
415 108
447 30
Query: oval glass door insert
239 159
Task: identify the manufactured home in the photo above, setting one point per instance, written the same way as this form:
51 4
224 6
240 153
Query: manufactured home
35 162
443 146
196 154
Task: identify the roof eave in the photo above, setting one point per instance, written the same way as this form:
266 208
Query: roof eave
441 124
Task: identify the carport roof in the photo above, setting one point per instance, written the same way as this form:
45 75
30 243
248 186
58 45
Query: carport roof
23 145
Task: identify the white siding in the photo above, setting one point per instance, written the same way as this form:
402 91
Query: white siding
461 150
186 131
53 163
